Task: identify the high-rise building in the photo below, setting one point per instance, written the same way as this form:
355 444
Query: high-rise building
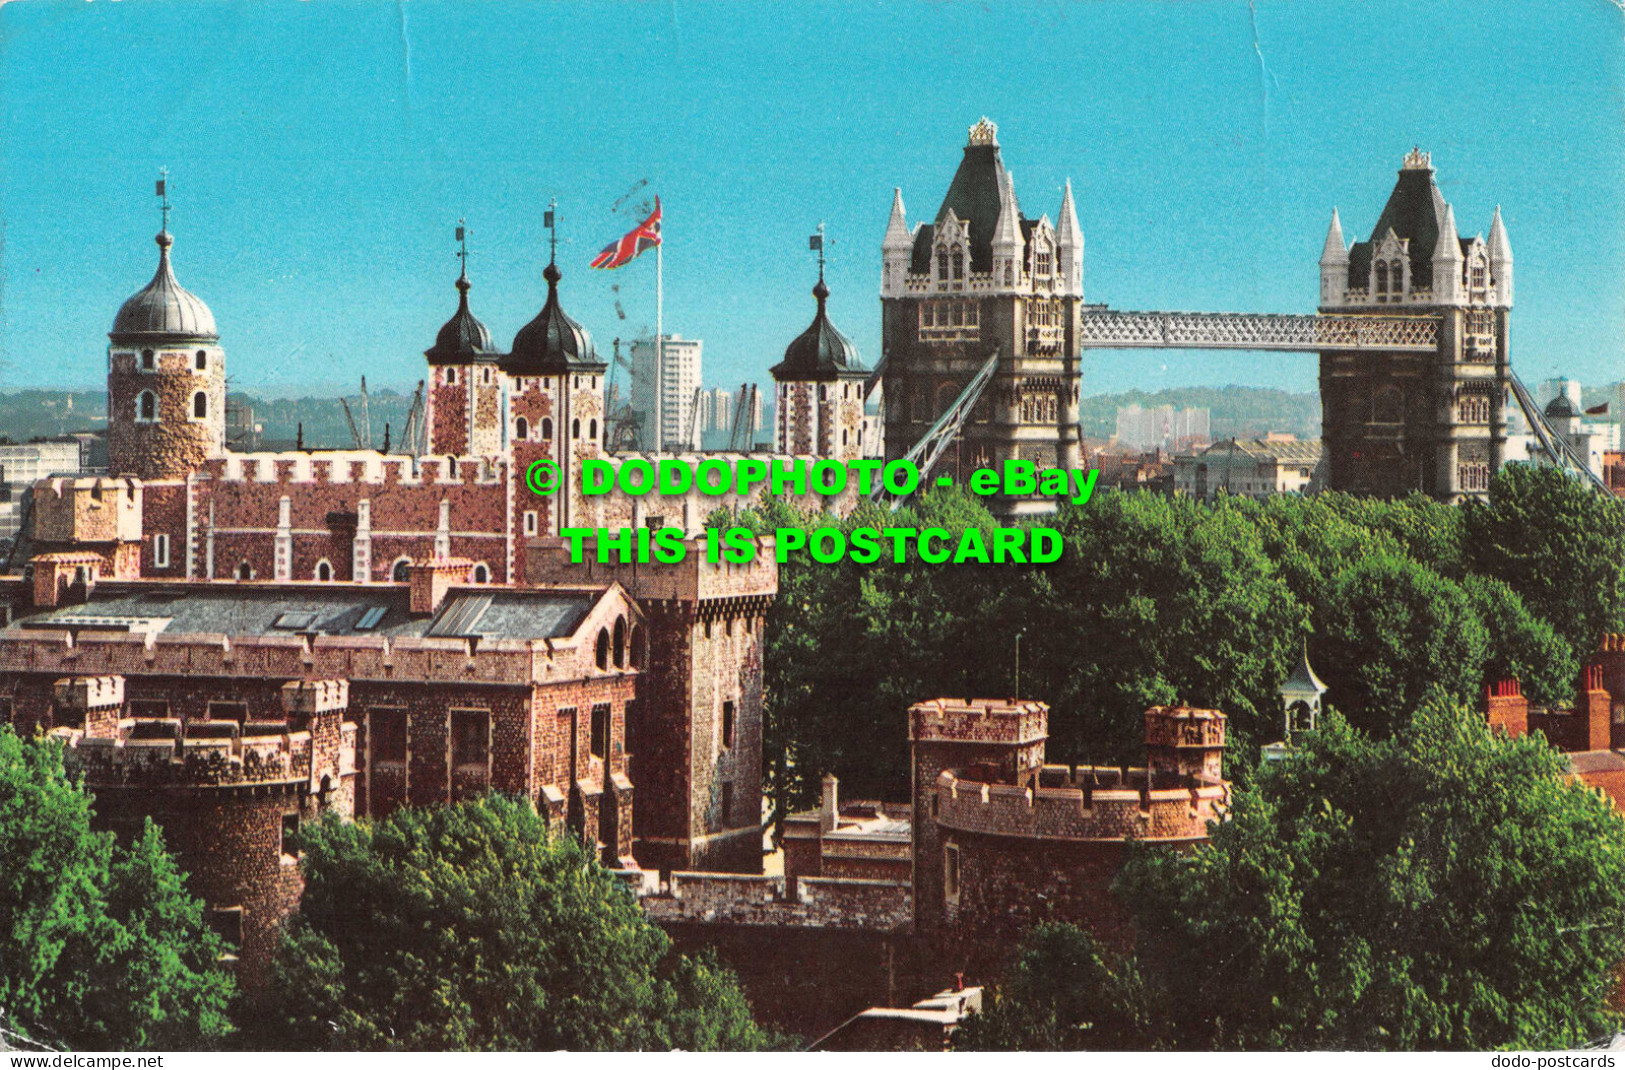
679 379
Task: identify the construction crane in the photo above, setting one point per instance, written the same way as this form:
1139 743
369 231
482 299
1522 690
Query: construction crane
691 440
742 422
360 436
412 440
623 427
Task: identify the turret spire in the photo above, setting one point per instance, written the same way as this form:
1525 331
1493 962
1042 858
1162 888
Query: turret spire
1007 232
1499 247
1067 230
1335 252
1448 247
163 198
897 237
1500 251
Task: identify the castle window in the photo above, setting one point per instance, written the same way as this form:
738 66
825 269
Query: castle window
160 551
620 642
227 924
147 406
386 732
598 739
823 392
942 265
402 570
324 570
959 264
592 430
1041 263
1382 280
603 649
290 834
485 377
727 724
482 574
202 360
547 429
521 429
200 406
575 428
245 571
530 522
470 739
451 376
950 872
147 360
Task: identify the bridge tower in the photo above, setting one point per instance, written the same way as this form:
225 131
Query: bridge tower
1401 421
980 279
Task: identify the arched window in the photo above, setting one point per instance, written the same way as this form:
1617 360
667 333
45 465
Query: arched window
575 428
521 429
402 571
1382 278
592 430
451 376
603 649
147 364
324 570
200 405
942 265
202 360
485 377
547 429
147 406
620 642
481 573
245 571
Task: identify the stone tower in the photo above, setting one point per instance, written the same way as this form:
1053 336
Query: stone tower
166 380
1397 422
555 412
983 279
463 410
819 388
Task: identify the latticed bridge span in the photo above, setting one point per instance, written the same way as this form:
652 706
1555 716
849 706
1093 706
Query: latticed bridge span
1108 329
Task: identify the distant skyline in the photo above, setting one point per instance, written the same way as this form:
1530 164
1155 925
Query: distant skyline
320 155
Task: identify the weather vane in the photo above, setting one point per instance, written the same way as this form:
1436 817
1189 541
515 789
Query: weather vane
815 242
163 196
552 230
462 244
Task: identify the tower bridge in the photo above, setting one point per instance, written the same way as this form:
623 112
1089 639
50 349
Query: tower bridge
1412 335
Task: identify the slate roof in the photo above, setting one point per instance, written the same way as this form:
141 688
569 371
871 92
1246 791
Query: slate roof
552 343
464 339
821 352
163 309
1285 452
1415 210
974 197
499 613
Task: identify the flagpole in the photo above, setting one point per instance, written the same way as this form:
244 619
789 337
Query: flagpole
660 336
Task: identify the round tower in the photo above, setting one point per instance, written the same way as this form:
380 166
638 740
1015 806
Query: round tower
166 380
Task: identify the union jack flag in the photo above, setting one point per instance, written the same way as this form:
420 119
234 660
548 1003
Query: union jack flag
623 250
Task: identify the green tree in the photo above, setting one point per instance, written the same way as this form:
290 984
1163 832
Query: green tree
1389 631
1522 644
100 947
474 927
1558 544
1444 889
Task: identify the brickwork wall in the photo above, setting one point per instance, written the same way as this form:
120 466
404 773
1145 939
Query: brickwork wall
174 444
447 409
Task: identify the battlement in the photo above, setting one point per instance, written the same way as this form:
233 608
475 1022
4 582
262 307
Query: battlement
299 657
817 902
693 579
1184 727
200 754
1090 804
80 694
87 509
978 721
355 466
1612 643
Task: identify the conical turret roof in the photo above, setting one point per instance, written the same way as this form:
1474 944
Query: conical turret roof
821 352
164 310
464 339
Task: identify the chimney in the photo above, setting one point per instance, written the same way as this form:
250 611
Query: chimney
432 578
1505 707
57 575
830 815
1595 707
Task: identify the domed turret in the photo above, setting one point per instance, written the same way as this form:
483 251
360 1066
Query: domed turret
1561 408
464 339
821 351
552 343
163 310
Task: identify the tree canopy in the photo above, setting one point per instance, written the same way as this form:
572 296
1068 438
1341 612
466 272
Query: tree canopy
475 927
1445 888
101 947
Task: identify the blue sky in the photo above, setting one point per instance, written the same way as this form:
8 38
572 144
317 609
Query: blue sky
321 153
